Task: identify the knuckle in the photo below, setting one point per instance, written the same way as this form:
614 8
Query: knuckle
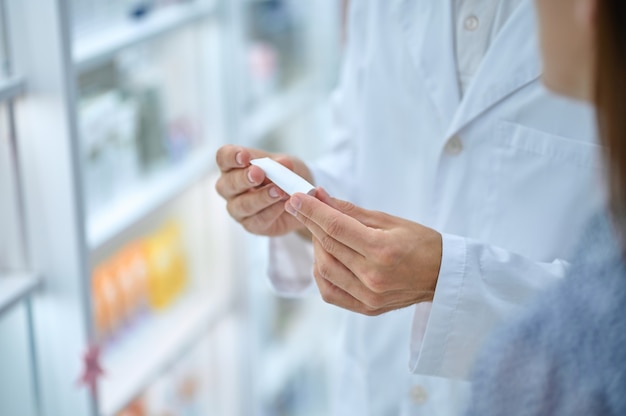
221 153
333 226
219 156
219 186
387 256
369 311
327 290
268 215
327 243
374 281
327 296
234 212
246 205
252 225
323 270
345 206
374 301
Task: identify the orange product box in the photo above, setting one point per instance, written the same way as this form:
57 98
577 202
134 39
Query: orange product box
106 299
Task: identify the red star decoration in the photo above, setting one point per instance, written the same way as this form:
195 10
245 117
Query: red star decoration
92 369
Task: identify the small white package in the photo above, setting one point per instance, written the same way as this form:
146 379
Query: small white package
284 178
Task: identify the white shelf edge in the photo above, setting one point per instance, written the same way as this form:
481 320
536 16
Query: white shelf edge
130 368
145 198
277 110
11 88
14 288
94 48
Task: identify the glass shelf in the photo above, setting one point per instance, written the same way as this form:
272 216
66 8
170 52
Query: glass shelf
92 49
11 88
15 288
149 195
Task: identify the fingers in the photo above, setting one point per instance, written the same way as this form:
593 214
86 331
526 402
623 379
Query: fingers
334 295
230 157
238 176
332 270
366 217
238 181
324 220
348 256
264 222
255 202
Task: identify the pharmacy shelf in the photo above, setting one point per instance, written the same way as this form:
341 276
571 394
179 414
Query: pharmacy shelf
15 288
92 49
277 110
284 357
153 346
148 196
11 88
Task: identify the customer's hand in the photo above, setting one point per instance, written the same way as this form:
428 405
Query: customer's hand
366 261
252 200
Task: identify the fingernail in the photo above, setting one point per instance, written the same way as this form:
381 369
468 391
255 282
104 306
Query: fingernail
239 158
290 209
296 202
274 192
250 177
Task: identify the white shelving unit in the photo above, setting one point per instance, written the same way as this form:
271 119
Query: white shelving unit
66 240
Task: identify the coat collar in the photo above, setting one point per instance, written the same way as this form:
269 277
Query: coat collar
503 71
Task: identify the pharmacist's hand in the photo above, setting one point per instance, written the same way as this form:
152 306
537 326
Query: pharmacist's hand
366 261
251 199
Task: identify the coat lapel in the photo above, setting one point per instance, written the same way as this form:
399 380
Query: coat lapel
511 62
432 50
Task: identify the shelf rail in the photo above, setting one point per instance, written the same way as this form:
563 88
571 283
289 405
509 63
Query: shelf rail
15 289
11 88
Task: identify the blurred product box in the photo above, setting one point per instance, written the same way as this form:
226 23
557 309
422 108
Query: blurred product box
147 275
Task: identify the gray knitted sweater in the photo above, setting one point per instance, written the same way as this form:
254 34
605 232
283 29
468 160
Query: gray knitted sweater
566 354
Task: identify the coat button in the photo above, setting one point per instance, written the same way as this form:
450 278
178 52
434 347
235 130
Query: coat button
418 394
471 23
454 146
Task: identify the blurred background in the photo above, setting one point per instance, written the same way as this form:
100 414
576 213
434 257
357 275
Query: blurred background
125 289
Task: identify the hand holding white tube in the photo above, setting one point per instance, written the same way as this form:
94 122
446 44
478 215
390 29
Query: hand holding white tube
251 198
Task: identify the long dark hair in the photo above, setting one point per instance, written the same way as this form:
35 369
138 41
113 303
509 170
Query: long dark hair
610 99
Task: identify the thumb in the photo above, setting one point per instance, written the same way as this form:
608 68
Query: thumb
364 216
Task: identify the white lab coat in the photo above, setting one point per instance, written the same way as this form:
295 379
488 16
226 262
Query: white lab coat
509 175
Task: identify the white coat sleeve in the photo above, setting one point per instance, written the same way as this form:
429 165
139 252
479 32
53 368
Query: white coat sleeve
479 286
291 257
